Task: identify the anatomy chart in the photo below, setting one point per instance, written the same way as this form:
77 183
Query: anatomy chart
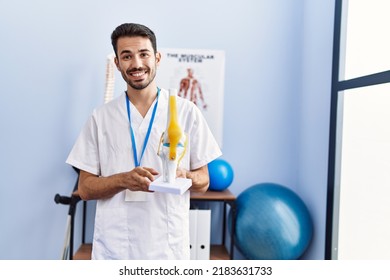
198 75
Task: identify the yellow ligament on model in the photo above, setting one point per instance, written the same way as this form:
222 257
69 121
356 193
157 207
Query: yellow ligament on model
174 131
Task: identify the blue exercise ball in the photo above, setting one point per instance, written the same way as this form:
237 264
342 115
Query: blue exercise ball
221 175
271 223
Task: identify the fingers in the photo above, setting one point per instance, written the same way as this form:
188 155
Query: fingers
139 178
181 173
151 170
148 173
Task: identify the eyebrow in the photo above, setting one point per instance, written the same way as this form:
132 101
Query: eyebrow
140 51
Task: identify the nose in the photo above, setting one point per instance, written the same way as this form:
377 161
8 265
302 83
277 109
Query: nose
136 62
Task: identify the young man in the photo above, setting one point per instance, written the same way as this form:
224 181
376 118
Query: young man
116 153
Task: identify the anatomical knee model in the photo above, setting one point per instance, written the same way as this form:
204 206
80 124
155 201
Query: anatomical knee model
173 141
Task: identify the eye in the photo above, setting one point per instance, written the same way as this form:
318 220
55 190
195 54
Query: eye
126 57
144 55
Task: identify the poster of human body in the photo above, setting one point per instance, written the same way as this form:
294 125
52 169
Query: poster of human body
198 75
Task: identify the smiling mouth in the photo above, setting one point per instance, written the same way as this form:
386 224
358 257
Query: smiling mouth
137 73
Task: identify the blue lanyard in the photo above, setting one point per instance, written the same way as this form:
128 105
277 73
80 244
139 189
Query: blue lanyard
137 163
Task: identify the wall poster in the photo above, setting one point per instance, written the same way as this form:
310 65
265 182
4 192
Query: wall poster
198 75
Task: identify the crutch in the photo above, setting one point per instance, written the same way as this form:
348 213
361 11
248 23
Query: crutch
67 251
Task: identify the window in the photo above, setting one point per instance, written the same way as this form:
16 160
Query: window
359 145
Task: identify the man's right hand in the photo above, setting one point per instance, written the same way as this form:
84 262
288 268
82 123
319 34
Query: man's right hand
139 178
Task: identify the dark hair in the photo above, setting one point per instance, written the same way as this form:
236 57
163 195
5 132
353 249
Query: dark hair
132 30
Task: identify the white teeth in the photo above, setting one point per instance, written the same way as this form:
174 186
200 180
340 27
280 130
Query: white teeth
137 74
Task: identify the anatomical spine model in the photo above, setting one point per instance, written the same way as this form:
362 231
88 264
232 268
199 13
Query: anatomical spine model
173 142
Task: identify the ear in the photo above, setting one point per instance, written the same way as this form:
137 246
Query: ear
116 63
158 58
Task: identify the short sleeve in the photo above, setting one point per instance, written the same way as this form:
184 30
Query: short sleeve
203 146
85 152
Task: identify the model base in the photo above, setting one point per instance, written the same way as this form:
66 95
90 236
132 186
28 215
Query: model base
179 186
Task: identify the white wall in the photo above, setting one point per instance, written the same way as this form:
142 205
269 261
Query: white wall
53 69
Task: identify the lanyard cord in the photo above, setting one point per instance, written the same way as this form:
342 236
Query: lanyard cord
137 163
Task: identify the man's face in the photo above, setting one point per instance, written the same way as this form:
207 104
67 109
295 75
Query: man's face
136 61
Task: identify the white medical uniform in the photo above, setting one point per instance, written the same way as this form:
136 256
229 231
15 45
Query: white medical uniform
150 225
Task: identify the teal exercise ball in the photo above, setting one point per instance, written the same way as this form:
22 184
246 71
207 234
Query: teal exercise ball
271 223
221 175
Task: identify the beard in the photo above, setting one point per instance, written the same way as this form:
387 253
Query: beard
142 84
